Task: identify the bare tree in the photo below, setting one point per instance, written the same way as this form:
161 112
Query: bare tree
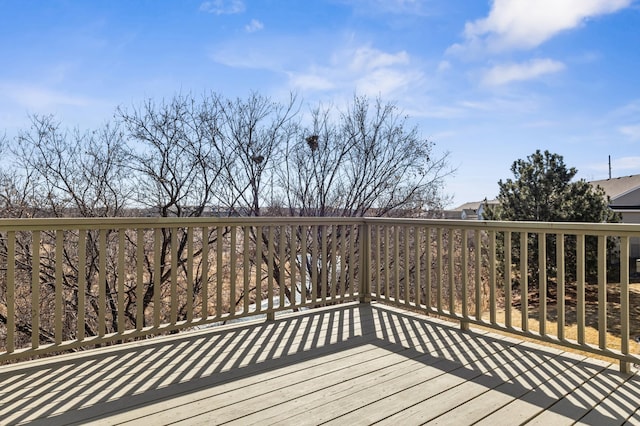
253 133
174 161
74 173
366 160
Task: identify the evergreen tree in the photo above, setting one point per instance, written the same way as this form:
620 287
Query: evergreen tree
542 190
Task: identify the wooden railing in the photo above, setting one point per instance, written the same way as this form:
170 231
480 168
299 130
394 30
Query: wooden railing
568 285
71 284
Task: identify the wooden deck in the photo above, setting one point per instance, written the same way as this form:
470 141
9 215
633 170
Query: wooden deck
352 364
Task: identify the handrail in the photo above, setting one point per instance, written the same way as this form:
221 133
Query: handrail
475 272
72 283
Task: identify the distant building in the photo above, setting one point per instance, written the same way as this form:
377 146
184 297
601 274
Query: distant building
624 198
469 211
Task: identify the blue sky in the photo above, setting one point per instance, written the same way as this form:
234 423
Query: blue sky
488 81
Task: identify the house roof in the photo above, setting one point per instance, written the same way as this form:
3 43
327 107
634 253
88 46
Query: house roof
616 187
474 205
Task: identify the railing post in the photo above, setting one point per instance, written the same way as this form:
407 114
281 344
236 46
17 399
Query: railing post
625 367
365 263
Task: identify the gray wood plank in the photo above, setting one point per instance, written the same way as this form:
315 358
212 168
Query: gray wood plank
619 403
351 364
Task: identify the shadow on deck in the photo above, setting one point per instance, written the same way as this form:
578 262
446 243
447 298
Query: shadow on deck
353 363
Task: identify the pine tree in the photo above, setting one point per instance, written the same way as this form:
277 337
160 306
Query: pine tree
543 190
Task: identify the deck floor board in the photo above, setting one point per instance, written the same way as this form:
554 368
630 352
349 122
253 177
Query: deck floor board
349 364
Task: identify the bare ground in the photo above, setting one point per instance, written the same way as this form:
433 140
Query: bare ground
592 309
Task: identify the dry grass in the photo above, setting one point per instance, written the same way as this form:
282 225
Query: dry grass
613 337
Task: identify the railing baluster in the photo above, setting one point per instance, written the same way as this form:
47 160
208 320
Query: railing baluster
270 260
246 265
11 287
59 321
376 283
190 289
139 277
303 263
205 273
417 290
508 302
121 273
293 250
602 291
281 264
492 277
464 252
560 282
407 264
396 263
219 270
451 269
524 280
157 279
323 262
387 263
233 273
82 283
102 282
353 230
542 274
314 263
35 290
428 269
365 264
580 287
258 260
334 261
174 275
439 250
478 271
343 261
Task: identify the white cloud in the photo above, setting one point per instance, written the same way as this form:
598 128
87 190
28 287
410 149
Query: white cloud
366 59
386 81
444 66
631 131
314 65
365 69
618 165
396 7
254 26
626 163
310 81
508 73
223 7
261 54
525 24
37 98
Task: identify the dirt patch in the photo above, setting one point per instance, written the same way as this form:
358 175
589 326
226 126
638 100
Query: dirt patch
592 308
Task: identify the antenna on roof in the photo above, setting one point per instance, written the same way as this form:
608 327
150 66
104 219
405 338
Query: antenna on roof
609 167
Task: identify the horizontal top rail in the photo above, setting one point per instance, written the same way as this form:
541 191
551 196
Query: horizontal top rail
568 227
34 224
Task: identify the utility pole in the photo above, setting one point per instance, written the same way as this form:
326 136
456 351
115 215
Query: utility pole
609 167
